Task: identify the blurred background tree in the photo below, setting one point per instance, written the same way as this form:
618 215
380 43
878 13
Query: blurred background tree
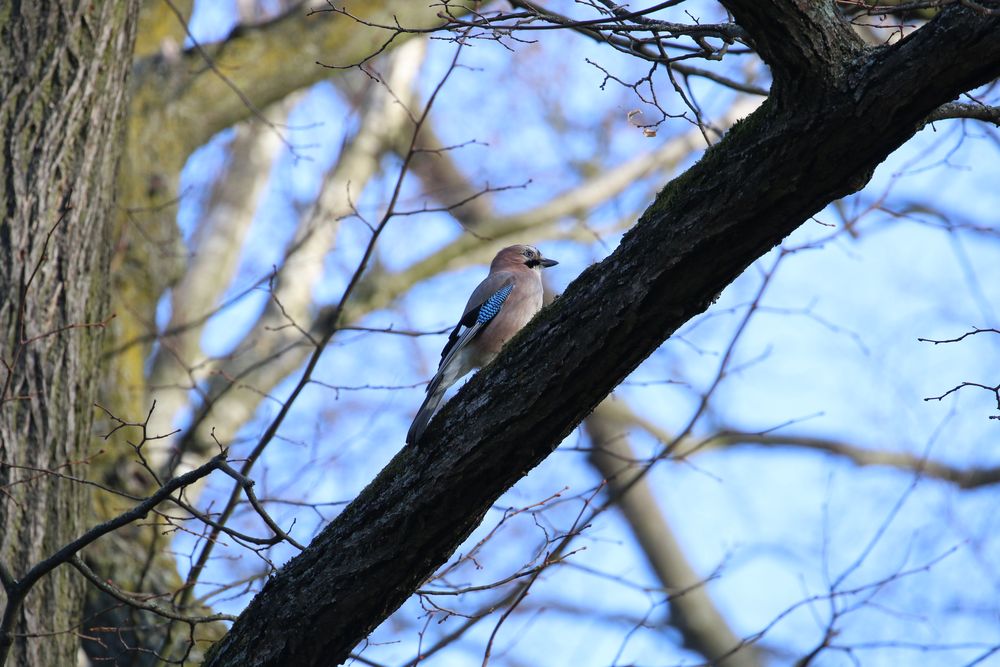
304 201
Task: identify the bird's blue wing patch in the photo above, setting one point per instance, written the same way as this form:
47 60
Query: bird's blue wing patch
489 310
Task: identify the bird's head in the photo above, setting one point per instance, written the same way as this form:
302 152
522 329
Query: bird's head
527 255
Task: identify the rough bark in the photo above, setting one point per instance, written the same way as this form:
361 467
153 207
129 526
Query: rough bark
62 96
815 140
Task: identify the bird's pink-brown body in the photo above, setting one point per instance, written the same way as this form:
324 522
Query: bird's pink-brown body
499 307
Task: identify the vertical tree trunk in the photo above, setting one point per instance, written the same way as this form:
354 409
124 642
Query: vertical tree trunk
63 70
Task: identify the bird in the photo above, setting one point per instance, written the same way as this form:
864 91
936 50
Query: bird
499 307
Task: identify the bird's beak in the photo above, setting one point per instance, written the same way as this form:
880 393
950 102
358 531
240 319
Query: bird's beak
546 263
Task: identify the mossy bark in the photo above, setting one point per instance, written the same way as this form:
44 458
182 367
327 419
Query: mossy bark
62 100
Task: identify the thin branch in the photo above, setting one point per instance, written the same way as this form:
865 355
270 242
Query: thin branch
18 590
983 112
975 331
138 601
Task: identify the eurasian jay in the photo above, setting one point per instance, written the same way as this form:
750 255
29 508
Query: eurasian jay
498 308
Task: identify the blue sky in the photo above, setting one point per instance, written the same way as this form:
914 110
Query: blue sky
834 351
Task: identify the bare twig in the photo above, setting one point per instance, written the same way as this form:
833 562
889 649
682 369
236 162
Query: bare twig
18 589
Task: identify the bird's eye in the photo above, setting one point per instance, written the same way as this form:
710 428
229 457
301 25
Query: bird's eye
526 252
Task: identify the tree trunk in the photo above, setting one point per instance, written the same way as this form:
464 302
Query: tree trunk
62 98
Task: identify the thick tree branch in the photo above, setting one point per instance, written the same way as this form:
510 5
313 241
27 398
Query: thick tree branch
186 101
772 172
802 41
981 112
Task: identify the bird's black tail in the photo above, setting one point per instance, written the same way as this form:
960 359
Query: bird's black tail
435 392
